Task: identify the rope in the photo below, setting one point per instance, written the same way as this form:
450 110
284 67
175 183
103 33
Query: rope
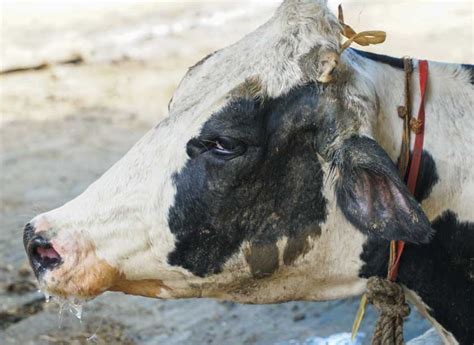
389 299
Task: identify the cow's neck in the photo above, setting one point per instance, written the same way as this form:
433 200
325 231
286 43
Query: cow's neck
449 125
436 276
439 275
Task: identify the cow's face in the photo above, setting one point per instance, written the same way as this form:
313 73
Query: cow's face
258 187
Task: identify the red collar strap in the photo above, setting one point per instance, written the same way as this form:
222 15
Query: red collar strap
418 127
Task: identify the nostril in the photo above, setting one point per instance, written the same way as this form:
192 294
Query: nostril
42 254
28 233
47 253
48 257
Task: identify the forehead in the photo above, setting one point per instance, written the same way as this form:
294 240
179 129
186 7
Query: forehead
238 115
271 54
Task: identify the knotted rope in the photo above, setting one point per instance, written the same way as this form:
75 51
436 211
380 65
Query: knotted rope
389 299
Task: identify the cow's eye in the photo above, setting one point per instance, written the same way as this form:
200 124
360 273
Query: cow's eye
227 147
223 147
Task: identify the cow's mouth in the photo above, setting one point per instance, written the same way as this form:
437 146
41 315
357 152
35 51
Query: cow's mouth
42 255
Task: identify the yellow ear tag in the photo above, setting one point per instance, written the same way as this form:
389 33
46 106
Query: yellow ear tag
363 38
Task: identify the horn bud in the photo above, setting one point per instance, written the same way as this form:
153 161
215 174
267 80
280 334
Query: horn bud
326 65
319 64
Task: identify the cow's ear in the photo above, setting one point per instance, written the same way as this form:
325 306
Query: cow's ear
373 197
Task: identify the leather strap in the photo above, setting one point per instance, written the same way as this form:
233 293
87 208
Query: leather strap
418 127
404 112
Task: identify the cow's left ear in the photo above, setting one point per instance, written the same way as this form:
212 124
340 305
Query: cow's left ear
372 196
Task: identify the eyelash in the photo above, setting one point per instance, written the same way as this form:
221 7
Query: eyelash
223 147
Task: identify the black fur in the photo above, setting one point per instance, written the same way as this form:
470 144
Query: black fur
441 272
470 68
272 189
398 63
427 176
373 197
389 60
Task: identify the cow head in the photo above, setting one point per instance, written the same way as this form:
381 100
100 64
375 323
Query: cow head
260 186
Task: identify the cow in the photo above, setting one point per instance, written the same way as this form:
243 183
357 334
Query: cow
273 179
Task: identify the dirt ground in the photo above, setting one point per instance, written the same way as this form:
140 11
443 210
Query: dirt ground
81 81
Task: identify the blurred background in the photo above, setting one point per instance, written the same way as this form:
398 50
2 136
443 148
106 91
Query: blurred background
81 81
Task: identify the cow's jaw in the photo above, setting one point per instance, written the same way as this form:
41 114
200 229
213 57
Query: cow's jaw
326 267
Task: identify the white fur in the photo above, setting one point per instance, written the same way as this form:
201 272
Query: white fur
272 52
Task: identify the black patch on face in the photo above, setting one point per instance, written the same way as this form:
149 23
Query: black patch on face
389 60
273 189
299 245
427 176
441 272
470 68
262 259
